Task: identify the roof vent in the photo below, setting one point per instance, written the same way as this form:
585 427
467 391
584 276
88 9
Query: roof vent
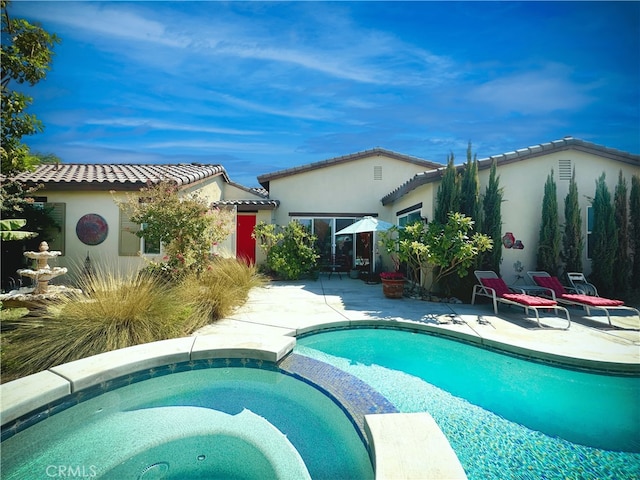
564 170
377 172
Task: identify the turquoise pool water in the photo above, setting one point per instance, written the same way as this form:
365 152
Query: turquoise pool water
231 423
504 416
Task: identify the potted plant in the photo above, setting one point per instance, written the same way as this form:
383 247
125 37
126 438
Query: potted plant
392 284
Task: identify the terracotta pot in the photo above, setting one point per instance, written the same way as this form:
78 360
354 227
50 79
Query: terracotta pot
392 288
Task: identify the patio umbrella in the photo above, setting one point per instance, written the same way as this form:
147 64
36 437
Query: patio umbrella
367 224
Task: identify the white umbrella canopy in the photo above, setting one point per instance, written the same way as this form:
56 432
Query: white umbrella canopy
366 224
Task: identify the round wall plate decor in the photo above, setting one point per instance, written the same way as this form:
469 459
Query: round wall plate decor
92 229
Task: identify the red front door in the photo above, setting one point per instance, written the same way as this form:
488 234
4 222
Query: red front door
245 244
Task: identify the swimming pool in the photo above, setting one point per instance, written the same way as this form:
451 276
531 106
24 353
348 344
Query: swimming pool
207 423
504 416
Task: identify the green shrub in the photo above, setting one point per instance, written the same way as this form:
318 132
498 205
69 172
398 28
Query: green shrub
290 250
434 251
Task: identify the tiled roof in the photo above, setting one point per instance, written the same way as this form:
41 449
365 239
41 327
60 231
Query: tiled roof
261 192
68 176
267 177
566 143
248 205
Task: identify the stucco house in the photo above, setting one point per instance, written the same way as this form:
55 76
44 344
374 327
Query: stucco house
396 188
327 196
91 224
330 195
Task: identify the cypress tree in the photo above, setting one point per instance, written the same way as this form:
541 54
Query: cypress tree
634 230
470 190
448 196
492 220
605 239
621 265
572 239
549 240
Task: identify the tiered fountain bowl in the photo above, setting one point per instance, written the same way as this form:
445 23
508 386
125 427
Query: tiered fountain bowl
36 298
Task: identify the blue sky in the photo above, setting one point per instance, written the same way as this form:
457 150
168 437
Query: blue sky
260 86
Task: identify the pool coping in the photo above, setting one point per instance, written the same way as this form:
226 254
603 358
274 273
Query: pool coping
470 334
27 394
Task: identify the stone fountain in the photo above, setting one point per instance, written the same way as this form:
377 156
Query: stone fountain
44 272
36 298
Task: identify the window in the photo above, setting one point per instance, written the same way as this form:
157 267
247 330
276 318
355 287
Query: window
129 244
57 211
409 218
590 225
409 215
324 229
377 172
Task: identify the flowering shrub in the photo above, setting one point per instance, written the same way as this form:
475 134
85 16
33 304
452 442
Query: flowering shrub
185 225
392 276
433 251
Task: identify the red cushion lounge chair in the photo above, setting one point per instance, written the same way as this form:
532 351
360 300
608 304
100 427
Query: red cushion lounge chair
493 287
560 293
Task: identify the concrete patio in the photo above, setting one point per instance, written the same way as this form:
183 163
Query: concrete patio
295 308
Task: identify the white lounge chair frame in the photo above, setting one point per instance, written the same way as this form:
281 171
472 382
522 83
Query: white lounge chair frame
481 290
551 294
580 284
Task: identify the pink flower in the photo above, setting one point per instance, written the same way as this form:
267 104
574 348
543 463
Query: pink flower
392 275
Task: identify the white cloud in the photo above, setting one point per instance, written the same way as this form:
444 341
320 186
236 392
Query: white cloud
333 45
111 20
537 92
158 125
309 112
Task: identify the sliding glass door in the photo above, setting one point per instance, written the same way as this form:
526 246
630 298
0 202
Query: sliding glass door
329 244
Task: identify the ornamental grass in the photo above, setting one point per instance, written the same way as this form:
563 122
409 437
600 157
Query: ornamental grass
217 291
116 311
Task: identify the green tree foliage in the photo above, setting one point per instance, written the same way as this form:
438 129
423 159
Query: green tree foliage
436 250
186 226
634 230
470 189
492 220
10 230
621 264
605 239
549 239
448 196
27 51
572 239
290 251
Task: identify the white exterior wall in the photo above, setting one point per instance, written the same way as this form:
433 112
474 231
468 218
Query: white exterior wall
424 194
347 187
79 204
523 185
231 192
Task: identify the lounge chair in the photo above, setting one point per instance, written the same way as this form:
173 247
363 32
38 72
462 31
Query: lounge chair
575 295
580 285
493 287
